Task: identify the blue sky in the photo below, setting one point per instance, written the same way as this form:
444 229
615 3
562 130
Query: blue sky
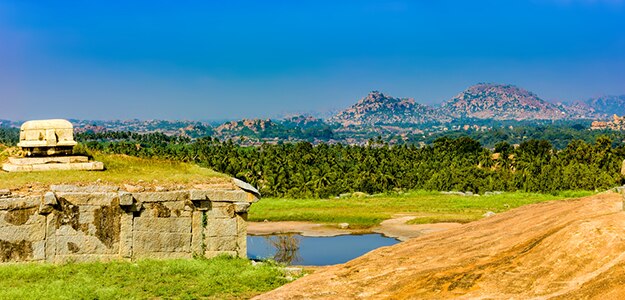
204 60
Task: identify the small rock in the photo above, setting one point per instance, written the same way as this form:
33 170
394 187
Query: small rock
293 271
488 214
468 193
265 220
343 225
160 189
133 188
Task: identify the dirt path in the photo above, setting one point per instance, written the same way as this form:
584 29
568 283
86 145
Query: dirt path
395 227
556 250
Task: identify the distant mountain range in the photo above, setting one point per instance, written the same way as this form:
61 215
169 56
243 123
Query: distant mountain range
485 101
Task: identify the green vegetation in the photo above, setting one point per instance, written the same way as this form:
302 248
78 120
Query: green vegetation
303 170
218 278
429 207
119 169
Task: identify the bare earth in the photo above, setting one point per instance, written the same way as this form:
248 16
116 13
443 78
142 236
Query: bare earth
556 250
396 228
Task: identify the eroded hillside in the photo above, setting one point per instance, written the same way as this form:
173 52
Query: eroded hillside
562 249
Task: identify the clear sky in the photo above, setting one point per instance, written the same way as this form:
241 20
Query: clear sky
202 60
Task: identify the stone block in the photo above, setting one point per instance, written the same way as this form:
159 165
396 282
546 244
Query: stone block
126 235
84 198
246 186
197 228
241 207
162 196
33 229
20 202
221 210
21 161
47 203
125 198
221 227
221 243
146 242
162 225
80 243
5 193
222 195
68 188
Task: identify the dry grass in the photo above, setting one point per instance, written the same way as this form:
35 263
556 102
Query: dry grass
120 169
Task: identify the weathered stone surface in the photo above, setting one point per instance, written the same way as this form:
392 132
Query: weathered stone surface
246 186
125 198
21 161
88 166
68 188
221 210
163 225
242 234
83 198
220 243
241 207
223 195
161 196
221 227
198 222
126 234
5 192
19 202
133 188
104 223
151 241
50 199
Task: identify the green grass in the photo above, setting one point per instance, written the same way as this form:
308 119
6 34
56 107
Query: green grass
429 207
119 169
218 278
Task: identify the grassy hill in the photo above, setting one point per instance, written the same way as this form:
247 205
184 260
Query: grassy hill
120 169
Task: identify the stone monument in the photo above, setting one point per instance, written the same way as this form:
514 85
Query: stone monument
48 145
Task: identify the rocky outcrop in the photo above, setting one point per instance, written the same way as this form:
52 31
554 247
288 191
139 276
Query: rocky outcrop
502 102
86 223
377 108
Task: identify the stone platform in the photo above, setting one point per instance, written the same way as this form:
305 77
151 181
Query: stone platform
70 223
52 163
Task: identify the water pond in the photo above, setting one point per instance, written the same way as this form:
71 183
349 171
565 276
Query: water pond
296 249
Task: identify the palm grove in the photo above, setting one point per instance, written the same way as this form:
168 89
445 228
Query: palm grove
303 170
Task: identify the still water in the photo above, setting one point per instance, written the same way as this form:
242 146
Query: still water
296 249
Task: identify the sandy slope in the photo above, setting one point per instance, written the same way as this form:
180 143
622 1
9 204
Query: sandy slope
563 249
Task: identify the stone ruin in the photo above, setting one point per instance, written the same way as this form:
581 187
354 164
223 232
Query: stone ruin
48 145
72 223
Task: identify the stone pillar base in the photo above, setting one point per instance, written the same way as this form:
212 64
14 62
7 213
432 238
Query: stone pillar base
51 163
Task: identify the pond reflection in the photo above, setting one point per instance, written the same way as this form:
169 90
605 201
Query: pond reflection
314 251
286 247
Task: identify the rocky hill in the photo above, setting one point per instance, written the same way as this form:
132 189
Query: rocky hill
246 126
557 250
502 102
605 106
379 109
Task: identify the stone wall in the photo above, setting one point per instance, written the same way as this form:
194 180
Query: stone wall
72 223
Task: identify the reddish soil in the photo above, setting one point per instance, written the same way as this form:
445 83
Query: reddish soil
555 250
